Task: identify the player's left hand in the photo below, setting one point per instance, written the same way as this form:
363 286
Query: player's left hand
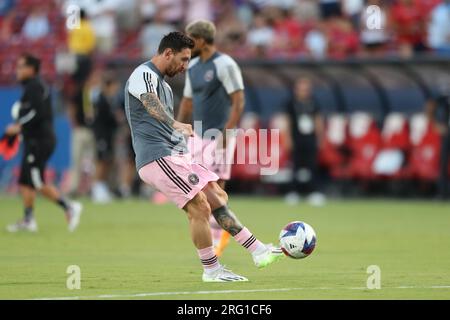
184 128
13 129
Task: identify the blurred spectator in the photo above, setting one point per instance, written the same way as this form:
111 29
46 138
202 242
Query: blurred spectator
81 43
172 11
151 34
343 40
288 32
128 15
81 115
408 23
330 8
125 154
102 14
36 25
261 36
426 6
147 9
307 129
231 31
245 13
316 44
439 28
198 9
7 26
307 11
104 127
6 6
353 9
374 39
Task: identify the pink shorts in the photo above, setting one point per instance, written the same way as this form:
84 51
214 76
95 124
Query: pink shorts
177 177
204 151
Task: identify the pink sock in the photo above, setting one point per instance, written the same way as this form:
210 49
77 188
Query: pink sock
208 259
249 241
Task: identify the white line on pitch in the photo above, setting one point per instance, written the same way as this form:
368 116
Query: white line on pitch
175 293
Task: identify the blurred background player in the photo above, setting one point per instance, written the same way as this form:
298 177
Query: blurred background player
81 44
35 123
307 131
163 161
104 127
213 96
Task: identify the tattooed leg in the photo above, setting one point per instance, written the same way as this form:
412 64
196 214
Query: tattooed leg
227 220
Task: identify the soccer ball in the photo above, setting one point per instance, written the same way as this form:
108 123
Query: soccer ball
297 240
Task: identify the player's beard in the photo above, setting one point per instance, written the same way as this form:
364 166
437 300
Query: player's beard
172 72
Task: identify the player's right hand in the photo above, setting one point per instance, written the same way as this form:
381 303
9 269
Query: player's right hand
184 128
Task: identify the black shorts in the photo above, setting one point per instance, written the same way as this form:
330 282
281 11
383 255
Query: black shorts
34 161
305 152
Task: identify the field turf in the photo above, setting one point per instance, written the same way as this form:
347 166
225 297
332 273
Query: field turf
135 250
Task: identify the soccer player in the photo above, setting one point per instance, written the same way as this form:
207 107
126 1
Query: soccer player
163 161
35 123
213 96
307 131
104 127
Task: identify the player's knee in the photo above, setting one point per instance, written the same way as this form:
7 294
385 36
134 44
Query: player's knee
200 208
218 197
223 196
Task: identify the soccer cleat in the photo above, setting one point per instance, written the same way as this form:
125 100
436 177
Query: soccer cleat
223 275
271 255
73 215
23 225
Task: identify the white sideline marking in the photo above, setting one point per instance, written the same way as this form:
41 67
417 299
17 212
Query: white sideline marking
175 293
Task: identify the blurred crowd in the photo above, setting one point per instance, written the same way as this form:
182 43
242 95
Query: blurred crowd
246 28
267 29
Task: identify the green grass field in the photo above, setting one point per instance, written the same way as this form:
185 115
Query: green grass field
133 247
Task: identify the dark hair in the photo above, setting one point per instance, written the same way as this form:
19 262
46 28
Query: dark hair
31 61
176 41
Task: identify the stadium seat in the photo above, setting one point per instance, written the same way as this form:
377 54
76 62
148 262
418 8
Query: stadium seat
424 159
363 144
330 151
395 147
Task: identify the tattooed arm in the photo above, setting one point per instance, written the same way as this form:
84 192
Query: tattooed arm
155 108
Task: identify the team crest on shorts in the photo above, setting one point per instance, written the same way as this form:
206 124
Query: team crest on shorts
193 179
